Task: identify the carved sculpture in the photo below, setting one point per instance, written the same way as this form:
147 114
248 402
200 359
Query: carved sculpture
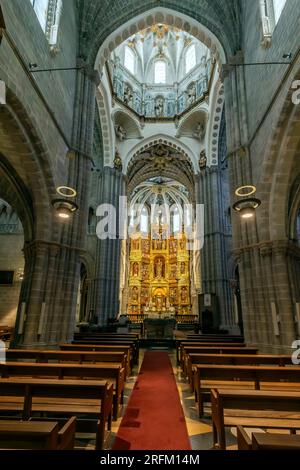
128 96
118 161
199 131
159 107
191 94
202 160
120 132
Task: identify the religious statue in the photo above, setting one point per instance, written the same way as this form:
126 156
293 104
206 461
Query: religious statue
128 96
146 246
135 269
159 107
159 268
181 244
202 160
173 296
191 94
173 247
120 132
145 272
144 296
184 295
135 245
199 131
182 267
173 272
135 294
118 161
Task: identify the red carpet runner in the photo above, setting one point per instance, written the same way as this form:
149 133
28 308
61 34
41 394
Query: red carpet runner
154 418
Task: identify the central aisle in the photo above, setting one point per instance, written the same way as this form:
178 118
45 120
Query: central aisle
154 418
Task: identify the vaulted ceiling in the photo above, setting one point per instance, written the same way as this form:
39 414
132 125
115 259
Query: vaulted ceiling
100 18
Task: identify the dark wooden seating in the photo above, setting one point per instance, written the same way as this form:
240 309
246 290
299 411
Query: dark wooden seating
187 349
41 355
196 342
182 345
215 337
127 349
134 345
266 441
253 408
89 401
232 359
112 372
39 435
113 338
208 377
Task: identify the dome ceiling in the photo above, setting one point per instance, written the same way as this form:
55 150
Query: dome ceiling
162 42
161 72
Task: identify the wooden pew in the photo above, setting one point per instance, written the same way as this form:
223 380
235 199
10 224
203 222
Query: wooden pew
275 442
43 435
112 337
208 377
195 342
90 401
233 359
127 349
253 408
187 349
181 345
107 335
46 355
134 345
113 372
212 338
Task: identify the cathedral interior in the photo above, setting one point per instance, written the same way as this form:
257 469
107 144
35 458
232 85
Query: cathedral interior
150 176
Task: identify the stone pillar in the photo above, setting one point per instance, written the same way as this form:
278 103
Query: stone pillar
47 292
217 243
47 310
105 297
267 267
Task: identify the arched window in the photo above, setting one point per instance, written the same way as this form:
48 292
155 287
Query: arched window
271 11
129 60
160 72
176 221
48 13
278 6
190 58
41 8
144 221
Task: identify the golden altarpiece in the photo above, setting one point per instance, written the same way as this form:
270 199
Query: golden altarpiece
159 280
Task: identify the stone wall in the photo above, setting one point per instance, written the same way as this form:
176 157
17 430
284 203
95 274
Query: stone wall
11 259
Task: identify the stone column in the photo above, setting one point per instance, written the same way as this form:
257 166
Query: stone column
47 310
217 243
105 297
267 267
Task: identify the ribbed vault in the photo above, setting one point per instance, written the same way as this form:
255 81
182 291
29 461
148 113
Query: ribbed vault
160 161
